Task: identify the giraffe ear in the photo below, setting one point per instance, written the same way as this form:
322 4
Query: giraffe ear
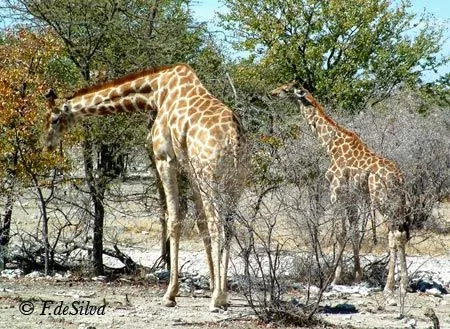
51 96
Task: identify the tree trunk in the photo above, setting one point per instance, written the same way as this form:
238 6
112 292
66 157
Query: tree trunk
97 193
97 243
48 264
6 221
5 229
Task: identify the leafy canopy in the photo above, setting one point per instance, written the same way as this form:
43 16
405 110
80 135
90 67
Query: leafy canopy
348 52
26 59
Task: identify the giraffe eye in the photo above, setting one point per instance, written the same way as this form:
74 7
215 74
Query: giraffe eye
55 120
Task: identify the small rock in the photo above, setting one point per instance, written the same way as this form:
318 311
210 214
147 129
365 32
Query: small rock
411 322
163 275
400 316
425 285
185 288
340 309
34 274
151 278
297 286
295 302
60 277
314 289
200 282
234 286
199 292
86 326
404 319
434 292
187 280
11 266
12 273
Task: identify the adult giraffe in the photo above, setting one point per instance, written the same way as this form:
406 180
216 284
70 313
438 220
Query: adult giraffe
193 131
355 168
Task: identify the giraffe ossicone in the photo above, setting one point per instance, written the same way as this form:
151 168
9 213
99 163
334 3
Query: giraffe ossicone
356 168
193 131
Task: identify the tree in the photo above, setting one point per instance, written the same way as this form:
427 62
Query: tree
26 57
436 93
348 53
111 38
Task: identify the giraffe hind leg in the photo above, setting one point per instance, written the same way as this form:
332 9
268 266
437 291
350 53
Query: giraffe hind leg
202 226
401 239
397 244
219 248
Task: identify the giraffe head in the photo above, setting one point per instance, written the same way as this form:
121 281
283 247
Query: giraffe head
58 120
285 90
296 91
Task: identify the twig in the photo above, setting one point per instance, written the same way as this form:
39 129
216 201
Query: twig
232 86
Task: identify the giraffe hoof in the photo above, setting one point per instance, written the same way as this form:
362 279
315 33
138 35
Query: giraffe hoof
169 302
217 309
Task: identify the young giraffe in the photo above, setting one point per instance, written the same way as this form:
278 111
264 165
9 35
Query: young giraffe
192 131
356 168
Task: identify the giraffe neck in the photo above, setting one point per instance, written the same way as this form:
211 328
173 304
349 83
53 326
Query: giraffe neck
144 91
343 143
325 128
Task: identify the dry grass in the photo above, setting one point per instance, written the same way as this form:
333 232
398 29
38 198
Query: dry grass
128 224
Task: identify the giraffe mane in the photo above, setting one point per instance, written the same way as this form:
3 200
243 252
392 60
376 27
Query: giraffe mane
319 107
123 79
329 120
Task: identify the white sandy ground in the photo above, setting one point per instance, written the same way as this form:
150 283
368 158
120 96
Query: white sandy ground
143 309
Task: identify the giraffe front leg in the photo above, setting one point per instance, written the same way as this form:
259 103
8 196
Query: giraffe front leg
389 287
341 240
168 175
356 243
337 204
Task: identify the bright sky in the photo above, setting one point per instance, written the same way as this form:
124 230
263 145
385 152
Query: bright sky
204 10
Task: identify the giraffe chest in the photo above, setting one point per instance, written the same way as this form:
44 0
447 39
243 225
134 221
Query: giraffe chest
162 140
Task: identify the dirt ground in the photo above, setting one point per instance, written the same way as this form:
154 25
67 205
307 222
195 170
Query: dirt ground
128 305
41 302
